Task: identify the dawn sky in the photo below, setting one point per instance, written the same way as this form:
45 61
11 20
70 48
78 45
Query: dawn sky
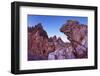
52 24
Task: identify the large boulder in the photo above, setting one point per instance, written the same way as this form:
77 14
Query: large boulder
77 35
62 53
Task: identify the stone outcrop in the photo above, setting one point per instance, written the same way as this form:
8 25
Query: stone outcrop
62 53
42 47
39 45
37 41
77 34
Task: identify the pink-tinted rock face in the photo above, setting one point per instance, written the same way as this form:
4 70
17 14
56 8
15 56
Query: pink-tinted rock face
39 45
77 34
37 41
42 47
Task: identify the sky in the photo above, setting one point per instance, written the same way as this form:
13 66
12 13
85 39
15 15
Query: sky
52 24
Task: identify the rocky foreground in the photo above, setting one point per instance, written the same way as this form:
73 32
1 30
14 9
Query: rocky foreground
42 47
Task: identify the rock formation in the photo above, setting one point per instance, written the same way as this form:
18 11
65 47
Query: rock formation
77 34
39 45
37 41
42 47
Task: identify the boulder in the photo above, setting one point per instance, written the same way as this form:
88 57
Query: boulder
77 35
